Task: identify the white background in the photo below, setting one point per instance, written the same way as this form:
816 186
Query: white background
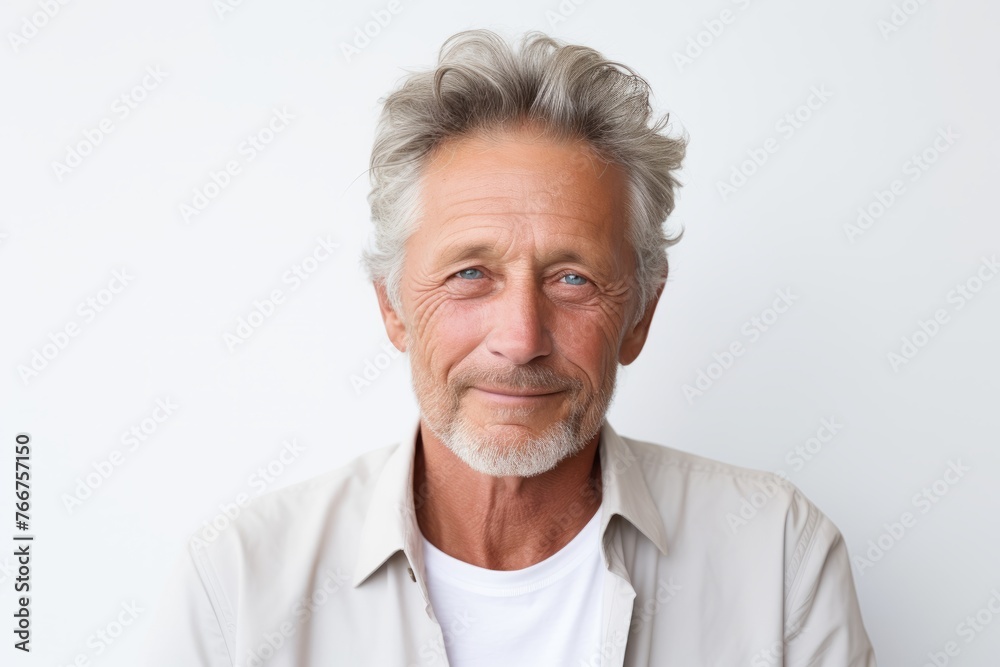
162 335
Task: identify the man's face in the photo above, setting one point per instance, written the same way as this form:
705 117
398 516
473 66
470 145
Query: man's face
516 291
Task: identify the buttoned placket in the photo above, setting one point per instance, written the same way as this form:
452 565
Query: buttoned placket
618 597
413 551
616 607
438 640
618 600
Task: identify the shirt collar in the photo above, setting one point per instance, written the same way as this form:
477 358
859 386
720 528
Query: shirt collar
390 524
391 521
624 489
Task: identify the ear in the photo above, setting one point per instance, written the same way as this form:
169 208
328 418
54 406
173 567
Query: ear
394 325
635 338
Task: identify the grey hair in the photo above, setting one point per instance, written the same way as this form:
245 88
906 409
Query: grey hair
479 85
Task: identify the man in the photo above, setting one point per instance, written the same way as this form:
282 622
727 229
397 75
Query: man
518 198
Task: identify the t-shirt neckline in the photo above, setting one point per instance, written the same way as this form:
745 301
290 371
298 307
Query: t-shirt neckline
504 583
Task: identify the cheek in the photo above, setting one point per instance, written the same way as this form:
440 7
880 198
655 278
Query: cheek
587 341
449 332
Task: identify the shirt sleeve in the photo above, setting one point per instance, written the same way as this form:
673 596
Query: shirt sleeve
185 629
823 625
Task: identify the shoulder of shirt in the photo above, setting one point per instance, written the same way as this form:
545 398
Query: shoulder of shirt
730 499
711 507
352 476
661 461
290 526
299 511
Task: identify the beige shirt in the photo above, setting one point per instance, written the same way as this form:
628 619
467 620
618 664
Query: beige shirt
706 564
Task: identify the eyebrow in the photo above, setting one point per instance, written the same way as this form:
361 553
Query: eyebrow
486 250
466 252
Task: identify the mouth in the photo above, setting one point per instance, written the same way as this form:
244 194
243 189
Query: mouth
515 395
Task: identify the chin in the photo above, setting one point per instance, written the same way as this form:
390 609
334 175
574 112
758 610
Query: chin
504 450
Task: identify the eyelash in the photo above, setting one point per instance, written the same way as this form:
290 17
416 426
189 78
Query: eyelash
567 273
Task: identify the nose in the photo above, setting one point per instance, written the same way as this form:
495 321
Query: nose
519 332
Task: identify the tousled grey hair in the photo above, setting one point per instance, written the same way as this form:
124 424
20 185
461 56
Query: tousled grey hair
481 84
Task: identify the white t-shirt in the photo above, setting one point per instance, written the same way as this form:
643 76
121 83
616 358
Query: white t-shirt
546 614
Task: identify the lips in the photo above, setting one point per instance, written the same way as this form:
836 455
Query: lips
514 396
520 393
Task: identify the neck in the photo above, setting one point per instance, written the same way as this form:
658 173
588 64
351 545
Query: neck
502 523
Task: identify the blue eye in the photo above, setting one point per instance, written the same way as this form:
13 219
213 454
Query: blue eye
581 279
464 273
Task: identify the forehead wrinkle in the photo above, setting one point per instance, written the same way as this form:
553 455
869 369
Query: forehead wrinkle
507 197
518 179
477 186
496 235
453 244
519 208
482 192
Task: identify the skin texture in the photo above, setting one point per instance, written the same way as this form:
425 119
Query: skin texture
517 314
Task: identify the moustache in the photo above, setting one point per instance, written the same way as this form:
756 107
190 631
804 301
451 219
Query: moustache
516 378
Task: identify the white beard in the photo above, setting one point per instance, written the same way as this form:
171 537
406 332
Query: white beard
495 454
502 451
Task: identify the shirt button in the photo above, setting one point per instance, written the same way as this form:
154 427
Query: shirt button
412 576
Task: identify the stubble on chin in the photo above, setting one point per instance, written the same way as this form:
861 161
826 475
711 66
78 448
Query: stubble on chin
509 450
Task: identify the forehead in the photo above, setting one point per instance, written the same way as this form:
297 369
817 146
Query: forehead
521 185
